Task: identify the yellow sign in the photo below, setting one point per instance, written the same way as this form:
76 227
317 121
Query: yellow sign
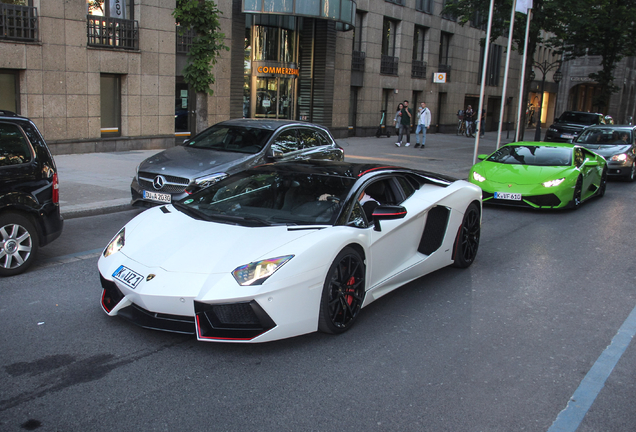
277 70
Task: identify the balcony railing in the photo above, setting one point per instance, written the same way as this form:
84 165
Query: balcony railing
18 22
357 61
108 32
184 42
418 69
389 65
447 69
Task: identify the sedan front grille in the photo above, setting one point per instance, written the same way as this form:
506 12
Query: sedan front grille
172 184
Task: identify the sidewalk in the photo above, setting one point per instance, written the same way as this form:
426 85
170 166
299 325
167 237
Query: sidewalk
99 183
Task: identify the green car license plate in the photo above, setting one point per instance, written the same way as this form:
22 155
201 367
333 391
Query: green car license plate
508 196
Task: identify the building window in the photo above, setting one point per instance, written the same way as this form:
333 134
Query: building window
358 55
397 2
110 97
9 92
479 20
424 6
389 63
418 68
448 16
18 20
111 25
495 55
444 54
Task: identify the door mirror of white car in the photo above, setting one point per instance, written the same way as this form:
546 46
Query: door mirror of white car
387 212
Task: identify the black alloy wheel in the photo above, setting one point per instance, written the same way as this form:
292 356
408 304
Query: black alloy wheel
343 292
18 244
603 186
576 197
467 240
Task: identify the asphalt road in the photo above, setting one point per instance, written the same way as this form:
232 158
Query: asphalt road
501 346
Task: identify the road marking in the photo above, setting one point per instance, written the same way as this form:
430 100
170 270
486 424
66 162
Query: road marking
571 417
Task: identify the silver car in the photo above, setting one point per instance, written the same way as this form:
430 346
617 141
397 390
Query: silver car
616 144
223 149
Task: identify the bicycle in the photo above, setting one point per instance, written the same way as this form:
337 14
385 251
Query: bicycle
461 127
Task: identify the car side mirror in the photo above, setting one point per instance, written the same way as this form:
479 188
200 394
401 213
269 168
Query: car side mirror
482 156
273 153
387 212
591 163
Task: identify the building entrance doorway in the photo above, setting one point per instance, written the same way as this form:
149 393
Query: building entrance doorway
272 97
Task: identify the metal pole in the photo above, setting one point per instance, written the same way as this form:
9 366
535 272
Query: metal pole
537 134
523 78
505 82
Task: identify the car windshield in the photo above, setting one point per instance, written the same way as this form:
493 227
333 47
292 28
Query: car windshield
237 139
532 155
578 118
605 136
259 198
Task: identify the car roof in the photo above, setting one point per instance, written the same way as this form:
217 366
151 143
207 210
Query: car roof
270 124
617 127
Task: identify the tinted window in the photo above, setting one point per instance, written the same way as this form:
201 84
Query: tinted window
579 118
237 139
14 148
407 187
532 155
607 136
309 138
286 141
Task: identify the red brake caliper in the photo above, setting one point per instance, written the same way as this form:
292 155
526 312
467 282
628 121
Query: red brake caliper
350 289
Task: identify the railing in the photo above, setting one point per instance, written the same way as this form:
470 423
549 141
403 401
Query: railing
389 65
447 69
397 2
184 42
18 22
357 61
418 69
110 32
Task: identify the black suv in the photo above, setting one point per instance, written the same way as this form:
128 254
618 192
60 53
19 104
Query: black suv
571 123
29 195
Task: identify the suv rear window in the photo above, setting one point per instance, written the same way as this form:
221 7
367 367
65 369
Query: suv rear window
14 148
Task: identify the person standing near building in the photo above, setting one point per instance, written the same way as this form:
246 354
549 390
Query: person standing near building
423 123
396 119
469 115
406 120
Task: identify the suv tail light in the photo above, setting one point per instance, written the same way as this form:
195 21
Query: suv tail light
56 189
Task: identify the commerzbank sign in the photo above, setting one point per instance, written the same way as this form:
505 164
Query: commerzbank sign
274 69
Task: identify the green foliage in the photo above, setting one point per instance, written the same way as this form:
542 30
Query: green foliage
201 16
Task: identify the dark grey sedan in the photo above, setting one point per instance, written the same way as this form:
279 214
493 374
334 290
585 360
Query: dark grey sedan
223 149
616 144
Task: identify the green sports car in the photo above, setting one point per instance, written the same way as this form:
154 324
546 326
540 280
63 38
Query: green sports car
540 175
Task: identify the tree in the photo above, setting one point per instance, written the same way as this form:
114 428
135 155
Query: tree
599 27
202 17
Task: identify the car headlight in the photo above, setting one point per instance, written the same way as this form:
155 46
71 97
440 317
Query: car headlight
619 157
209 180
478 177
552 183
257 272
116 243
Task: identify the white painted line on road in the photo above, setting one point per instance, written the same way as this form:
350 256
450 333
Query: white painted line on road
581 401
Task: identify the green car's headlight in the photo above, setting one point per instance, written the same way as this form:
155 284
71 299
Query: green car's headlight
553 183
478 177
619 157
116 243
257 272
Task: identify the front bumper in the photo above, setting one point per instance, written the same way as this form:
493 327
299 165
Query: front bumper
532 196
138 200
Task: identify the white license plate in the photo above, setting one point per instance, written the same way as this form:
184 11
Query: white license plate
156 196
128 277
567 136
508 196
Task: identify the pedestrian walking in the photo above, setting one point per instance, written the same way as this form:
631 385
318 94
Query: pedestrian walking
396 119
469 115
482 122
423 123
406 122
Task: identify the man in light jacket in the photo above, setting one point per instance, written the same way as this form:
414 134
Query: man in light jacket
423 123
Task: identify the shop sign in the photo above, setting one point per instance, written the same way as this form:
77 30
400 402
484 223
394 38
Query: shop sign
439 77
278 69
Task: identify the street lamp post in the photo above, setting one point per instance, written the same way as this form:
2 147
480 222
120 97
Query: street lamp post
544 67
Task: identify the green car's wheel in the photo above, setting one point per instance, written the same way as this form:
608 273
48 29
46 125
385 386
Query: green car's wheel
467 241
603 185
343 292
578 189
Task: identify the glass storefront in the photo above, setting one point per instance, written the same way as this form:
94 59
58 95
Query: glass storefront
271 71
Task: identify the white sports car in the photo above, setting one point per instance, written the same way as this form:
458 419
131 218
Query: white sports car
286 249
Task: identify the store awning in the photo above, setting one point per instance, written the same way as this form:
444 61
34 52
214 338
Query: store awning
343 12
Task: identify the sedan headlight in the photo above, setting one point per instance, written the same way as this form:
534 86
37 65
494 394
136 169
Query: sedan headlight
478 177
552 183
619 157
257 272
209 180
116 243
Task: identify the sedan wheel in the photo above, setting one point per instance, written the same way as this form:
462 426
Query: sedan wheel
467 241
18 244
632 173
343 292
